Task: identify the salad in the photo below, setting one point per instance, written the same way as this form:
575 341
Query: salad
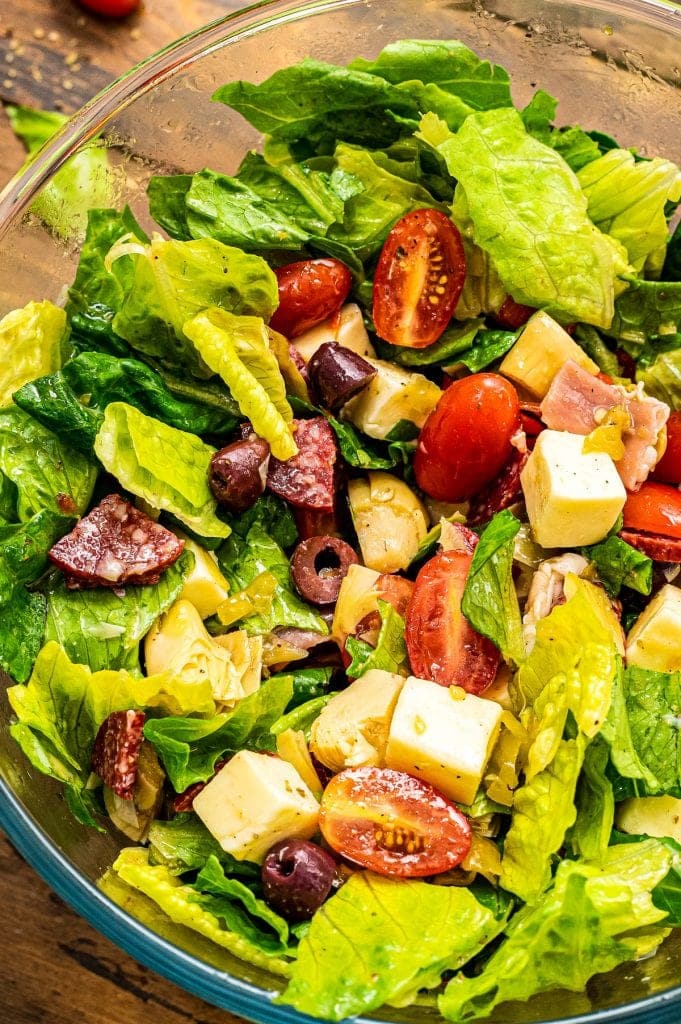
340 532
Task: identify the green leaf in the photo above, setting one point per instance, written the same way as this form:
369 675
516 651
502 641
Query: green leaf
243 558
168 468
646 309
190 747
619 565
167 195
488 347
237 348
595 804
457 339
34 127
273 515
577 147
521 197
666 895
652 705
617 732
184 844
102 628
489 601
659 368
355 957
590 340
308 684
302 716
21 632
179 903
671 271
390 652
46 473
359 451
30 344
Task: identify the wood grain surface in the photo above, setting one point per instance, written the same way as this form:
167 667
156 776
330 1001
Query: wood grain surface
55 969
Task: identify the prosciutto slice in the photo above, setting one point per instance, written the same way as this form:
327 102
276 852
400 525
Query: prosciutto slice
577 402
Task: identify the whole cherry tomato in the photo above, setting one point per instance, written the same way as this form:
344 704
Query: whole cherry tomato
419 277
655 508
111 8
441 643
310 292
668 468
392 823
467 438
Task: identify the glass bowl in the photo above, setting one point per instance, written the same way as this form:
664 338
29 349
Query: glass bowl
613 64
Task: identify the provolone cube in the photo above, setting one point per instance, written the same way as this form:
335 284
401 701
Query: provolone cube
572 497
654 640
253 802
650 816
444 736
539 353
392 395
346 329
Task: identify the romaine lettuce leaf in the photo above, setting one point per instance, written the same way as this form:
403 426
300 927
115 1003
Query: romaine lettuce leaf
457 338
617 732
619 565
627 200
102 628
666 895
168 468
489 601
355 957
303 189
591 832
190 747
653 709
308 684
46 473
390 652
167 195
31 341
173 281
22 625
237 348
589 339
243 558
301 718
530 215
488 347
646 309
273 515
671 271
184 844
179 903
658 368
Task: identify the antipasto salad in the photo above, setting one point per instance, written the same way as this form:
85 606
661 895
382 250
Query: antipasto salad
340 534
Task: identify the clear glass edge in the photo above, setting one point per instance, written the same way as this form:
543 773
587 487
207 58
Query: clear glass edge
205 981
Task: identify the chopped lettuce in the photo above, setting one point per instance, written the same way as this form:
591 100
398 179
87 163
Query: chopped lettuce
237 348
31 341
22 625
651 709
300 718
189 747
646 309
618 733
521 198
47 473
355 957
619 565
591 832
456 339
166 467
671 270
308 684
489 601
658 368
390 652
273 515
184 844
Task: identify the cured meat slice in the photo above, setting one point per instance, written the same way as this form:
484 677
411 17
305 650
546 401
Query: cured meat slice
115 544
660 549
577 400
115 755
308 479
502 492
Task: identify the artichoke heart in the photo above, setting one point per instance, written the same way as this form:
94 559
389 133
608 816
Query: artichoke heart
389 520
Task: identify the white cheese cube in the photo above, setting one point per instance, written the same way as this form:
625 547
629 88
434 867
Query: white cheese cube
444 736
539 353
255 801
346 329
654 640
392 395
572 497
650 816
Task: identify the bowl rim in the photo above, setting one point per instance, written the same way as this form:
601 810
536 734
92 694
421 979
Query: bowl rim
30 839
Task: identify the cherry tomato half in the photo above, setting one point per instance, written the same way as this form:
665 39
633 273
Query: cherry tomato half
111 8
392 823
655 508
310 292
467 438
668 468
418 280
441 643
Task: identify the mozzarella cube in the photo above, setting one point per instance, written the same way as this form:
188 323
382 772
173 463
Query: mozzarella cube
444 736
654 640
573 497
658 816
539 353
392 395
253 802
346 329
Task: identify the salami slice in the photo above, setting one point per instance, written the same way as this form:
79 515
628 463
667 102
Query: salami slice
115 755
113 545
660 549
308 479
500 493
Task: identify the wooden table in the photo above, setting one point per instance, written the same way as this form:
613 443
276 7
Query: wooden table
55 969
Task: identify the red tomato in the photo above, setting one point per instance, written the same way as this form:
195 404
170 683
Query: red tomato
392 823
466 440
442 645
309 292
512 314
418 280
396 590
111 8
669 466
655 508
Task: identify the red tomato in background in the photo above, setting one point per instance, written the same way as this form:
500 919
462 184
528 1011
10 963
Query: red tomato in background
668 468
512 314
419 277
111 8
655 508
442 645
392 823
310 292
466 440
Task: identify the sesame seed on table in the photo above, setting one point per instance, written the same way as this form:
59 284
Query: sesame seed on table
55 55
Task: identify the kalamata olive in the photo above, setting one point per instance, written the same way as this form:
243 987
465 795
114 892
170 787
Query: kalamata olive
338 373
297 876
238 473
319 565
